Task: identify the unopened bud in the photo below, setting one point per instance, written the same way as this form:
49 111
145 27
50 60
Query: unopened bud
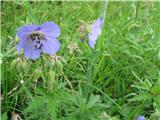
59 66
51 79
19 64
37 74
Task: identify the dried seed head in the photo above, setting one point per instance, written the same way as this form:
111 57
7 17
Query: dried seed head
55 58
74 48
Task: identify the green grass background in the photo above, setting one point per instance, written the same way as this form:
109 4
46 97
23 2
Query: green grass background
118 80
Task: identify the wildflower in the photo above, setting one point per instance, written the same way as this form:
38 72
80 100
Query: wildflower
35 39
141 117
95 32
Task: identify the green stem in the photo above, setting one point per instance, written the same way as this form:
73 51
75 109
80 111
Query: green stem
103 17
89 80
137 10
43 70
104 10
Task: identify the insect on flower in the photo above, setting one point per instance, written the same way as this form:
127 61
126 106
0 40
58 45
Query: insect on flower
95 32
35 39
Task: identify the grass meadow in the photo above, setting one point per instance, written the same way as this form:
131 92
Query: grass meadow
117 80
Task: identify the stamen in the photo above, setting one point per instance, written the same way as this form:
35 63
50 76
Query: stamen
36 38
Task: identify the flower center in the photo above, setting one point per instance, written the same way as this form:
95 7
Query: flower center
36 38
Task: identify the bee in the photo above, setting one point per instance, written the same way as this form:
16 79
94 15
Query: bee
37 35
36 38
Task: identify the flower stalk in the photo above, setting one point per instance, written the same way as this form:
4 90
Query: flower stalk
44 72
104 10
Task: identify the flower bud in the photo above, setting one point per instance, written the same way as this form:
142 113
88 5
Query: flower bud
51 79
18 64
63 60
13 64
59 66
21 64
37 74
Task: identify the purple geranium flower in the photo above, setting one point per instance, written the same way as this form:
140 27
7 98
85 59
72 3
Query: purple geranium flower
141 117
95 32
35 39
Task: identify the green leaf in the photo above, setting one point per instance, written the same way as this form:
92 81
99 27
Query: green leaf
4 116
140 97
157 102
93 100
155 116
36 103
52 108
